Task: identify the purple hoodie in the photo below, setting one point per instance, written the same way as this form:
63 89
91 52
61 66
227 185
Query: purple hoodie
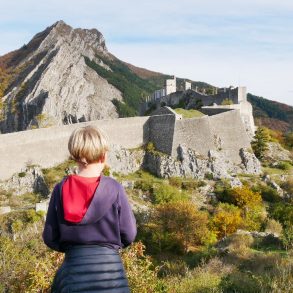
109 220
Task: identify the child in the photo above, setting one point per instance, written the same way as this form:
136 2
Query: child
89 218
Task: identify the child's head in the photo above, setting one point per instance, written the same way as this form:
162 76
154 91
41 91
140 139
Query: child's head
87 145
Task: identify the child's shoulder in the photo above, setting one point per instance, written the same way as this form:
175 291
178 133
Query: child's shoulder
112 181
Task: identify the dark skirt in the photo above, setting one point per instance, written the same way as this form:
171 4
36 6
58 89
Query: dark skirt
91 268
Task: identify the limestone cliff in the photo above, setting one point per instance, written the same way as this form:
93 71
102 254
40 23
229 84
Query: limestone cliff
50 84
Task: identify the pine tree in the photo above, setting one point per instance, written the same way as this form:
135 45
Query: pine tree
260 142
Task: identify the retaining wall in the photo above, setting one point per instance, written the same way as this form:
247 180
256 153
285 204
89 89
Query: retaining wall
195 133
48 146
161 132
223 132
230 129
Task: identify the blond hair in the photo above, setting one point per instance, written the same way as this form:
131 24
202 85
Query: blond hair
87 145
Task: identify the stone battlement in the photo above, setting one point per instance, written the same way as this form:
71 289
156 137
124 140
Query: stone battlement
47 147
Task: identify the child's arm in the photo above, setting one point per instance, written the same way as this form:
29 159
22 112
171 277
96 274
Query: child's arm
51 229
126 220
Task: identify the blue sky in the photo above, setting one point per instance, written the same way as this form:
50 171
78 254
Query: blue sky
222 42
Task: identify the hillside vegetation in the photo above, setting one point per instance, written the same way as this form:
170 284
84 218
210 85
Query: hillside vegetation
274 115
194 236
192 113
132 87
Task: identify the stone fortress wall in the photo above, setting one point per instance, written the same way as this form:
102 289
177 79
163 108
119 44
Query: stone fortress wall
223 131
48 146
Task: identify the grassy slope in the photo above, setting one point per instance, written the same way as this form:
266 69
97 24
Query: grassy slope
132 86
188 113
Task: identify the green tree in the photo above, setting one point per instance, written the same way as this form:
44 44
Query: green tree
260 142
289 140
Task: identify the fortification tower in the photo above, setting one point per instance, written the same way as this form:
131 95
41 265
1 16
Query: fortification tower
187 85
170 86
242 96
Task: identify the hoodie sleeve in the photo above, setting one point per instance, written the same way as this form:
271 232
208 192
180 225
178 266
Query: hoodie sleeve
127 220
51 229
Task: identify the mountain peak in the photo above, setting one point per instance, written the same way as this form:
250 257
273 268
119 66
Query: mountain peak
89 37
59 23
51 69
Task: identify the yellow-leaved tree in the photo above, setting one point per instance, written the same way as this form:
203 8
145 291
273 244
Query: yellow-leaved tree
226 220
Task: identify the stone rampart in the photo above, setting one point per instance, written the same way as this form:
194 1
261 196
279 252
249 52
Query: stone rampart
161 132
229 132
48 146
195 133
223 132
245 109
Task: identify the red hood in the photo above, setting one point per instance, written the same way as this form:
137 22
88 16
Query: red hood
77 194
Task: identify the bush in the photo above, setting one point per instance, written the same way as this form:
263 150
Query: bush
252 210
175 181
150 147
177 227
141 273
21 174
226 220
205 278
274 227
171 268
186 184
144 185
209 176
192 185
222 190
288 185
287 237
253 218
268 193
243 197
284 165
289 140
282 212
164 193
27 268
238 241
55 174
242 283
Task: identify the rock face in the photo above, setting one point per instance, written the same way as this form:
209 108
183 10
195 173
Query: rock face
191 164
250 162
267 179
277 153
125 161
54 86
30 180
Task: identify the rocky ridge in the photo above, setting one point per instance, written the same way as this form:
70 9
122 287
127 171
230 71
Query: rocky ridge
54 86
191 164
